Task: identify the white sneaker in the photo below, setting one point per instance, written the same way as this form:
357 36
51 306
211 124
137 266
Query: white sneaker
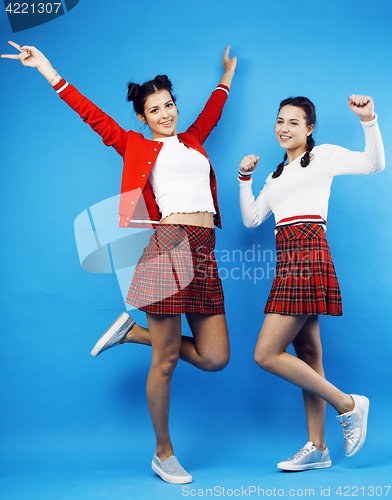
113 334
309 457
170 470
354 425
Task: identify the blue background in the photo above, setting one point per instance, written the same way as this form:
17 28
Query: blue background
77 427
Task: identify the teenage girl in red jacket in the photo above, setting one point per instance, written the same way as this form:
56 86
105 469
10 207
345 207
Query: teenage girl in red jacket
177 272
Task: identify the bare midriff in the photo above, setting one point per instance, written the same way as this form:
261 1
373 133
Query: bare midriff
203 219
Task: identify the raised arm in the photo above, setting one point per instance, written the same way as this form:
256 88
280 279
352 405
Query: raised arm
111 133
212 111
342 161
253 211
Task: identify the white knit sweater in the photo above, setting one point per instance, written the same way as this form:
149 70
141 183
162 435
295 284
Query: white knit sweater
302 194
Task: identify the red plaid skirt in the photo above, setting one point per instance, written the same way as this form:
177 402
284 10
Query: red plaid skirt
305 281
177 273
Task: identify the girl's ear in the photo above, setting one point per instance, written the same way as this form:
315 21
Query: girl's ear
310 129
141 118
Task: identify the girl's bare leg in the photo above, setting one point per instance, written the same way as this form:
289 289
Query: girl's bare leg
165 333
277 332
307 345
208 349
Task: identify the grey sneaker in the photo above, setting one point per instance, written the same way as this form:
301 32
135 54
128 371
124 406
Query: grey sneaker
170 470
354 424
309 457
113 334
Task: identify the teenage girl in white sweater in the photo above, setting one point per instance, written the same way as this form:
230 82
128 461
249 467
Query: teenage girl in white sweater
305 283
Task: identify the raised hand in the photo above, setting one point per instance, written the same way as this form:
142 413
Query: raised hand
29 56
249 164
362 106
229 64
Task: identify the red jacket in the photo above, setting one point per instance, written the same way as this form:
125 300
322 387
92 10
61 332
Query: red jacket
139 154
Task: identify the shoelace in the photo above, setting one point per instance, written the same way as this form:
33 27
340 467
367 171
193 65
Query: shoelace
302 452
348 431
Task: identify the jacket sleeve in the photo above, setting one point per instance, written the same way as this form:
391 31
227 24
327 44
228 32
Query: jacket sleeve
253 211
210 115
112 134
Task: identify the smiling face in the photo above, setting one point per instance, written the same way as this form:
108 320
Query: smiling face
160 114
292 131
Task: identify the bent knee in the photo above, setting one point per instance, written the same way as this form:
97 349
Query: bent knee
216 364
264 360
310 353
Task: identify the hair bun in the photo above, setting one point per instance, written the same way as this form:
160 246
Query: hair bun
165 81
133 90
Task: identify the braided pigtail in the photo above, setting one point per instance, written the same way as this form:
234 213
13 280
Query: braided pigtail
280 167
307 157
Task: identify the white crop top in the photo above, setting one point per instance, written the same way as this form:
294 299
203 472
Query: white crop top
180 179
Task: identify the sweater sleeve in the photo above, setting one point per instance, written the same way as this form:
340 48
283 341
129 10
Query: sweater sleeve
253 212
342 161
112 134
210 115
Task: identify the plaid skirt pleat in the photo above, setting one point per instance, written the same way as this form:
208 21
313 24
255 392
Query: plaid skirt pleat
305 281
177 273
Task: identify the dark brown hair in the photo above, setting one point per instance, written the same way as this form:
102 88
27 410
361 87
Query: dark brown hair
310 119
138 94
